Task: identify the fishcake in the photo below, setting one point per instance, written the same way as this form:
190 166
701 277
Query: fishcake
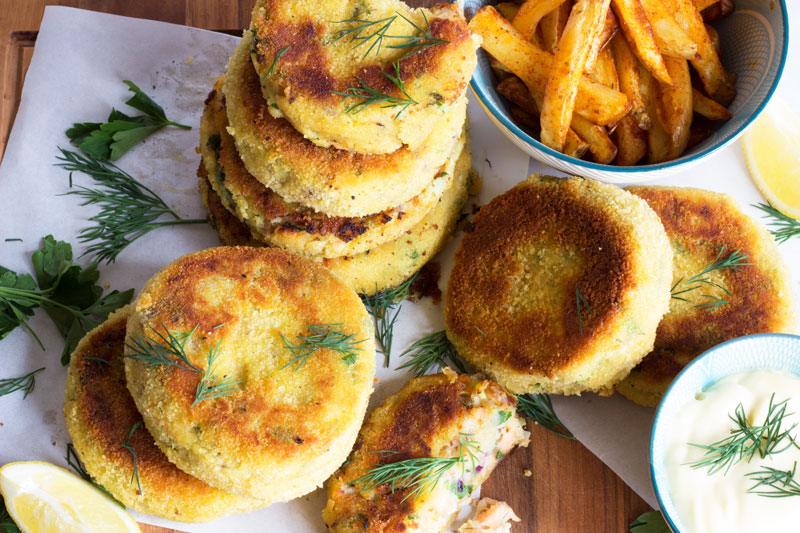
100 415
330 181
705 227
292 226
443 415
305 52
560 286
379 268
277 412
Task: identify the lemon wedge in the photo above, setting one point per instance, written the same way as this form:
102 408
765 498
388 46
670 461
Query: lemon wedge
772 149
43 498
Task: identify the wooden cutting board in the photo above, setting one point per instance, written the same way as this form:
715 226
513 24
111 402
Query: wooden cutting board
555 485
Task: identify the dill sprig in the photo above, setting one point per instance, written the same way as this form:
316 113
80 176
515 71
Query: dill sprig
735 261
580 301
360 27
322 336
539 408
781 482
370 96
74 462
746 440
420 42
24 383
127 445
275 61
384 306
785 227
169 348
128 209
421 474
434 350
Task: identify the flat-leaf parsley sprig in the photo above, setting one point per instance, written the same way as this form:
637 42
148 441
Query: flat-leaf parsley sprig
539 408
169 348
733 262
121 132
783 227
384 306
420 474
370 96
128 209
322 336
432 351
67 292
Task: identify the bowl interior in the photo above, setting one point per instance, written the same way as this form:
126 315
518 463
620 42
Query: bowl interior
754 41
770 350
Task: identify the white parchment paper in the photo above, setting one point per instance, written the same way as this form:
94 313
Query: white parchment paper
76 75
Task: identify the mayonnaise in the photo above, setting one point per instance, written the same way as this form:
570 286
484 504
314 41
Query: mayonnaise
719 502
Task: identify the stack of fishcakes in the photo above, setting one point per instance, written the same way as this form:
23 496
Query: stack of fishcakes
339 132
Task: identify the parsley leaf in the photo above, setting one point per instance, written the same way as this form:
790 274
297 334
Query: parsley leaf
121 132
651 522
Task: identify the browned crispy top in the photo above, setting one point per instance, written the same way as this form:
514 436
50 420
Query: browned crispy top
698 222
522 314
307 66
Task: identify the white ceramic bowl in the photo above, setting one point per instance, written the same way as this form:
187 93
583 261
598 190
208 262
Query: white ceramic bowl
774 351
754 40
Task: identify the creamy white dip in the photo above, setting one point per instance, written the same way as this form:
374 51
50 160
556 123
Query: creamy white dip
720 502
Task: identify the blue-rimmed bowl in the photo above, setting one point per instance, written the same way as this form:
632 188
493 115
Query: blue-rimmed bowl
775 351
754 41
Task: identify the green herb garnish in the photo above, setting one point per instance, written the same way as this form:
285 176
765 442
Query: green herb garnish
539 408
169 348
782 483
580 301
421 474
746 440
651 522
24 383
783 227
112 139
380 28
430 351
319 337
67 292
74 462
735 261
420 42
127 445
13 240
370 96
384 306
128 209
7 525
275 61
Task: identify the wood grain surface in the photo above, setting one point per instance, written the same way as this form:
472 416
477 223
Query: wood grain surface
567 490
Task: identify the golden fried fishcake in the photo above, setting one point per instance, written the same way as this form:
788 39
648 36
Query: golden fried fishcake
560 286
315 64
698 223
293 226
387 265
100 414
330 181
432 416
288 422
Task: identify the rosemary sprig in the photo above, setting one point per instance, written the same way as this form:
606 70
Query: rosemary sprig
322 336
419 42
746 440
421 474
275 61
24 383
384 306
580 301
785 227
781 482
74 462
377 36
127 445
370 96
431 351
539 408
169 348
128 209
735 261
